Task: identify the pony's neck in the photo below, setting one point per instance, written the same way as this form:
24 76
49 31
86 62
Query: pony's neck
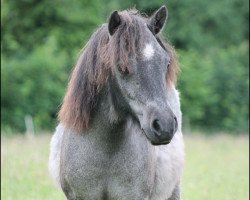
110 113
108 126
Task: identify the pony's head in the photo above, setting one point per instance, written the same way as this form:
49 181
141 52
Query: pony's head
128 54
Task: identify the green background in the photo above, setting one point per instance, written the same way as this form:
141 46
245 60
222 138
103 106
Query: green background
41 41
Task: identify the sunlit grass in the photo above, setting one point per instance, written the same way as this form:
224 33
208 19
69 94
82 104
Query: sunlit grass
24 169
217 168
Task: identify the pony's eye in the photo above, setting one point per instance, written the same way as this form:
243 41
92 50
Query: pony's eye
123 71
168 63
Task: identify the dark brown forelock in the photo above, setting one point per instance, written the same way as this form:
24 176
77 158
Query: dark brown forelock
97 62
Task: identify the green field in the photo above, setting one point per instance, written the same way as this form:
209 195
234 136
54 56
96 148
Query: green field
217 168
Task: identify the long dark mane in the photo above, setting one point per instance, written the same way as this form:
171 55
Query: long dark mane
96 63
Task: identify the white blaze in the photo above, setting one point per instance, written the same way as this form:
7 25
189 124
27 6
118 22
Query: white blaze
148 52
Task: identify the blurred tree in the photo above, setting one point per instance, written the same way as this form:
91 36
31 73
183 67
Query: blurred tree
42 39
215 88
28 23
202 25
33 86
229 81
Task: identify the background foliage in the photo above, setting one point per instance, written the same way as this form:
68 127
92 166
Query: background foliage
41 41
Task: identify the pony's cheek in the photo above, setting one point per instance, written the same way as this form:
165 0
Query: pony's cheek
137 109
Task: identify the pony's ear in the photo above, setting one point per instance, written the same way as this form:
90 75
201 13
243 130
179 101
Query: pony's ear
114 22
157 20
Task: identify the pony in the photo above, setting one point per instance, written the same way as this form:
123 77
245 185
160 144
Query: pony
119 133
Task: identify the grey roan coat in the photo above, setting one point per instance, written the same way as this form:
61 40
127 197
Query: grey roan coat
119 135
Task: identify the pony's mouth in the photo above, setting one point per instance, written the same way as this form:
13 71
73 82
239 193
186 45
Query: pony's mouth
155 143
163 143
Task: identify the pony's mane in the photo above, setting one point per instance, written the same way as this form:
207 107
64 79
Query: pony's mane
96 63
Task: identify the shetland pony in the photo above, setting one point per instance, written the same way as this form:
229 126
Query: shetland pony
119 134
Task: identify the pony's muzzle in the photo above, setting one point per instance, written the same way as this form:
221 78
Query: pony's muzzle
164 130
162 127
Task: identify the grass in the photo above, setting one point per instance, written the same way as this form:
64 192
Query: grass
217 168
24 169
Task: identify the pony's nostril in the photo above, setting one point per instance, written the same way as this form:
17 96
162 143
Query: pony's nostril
156 125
